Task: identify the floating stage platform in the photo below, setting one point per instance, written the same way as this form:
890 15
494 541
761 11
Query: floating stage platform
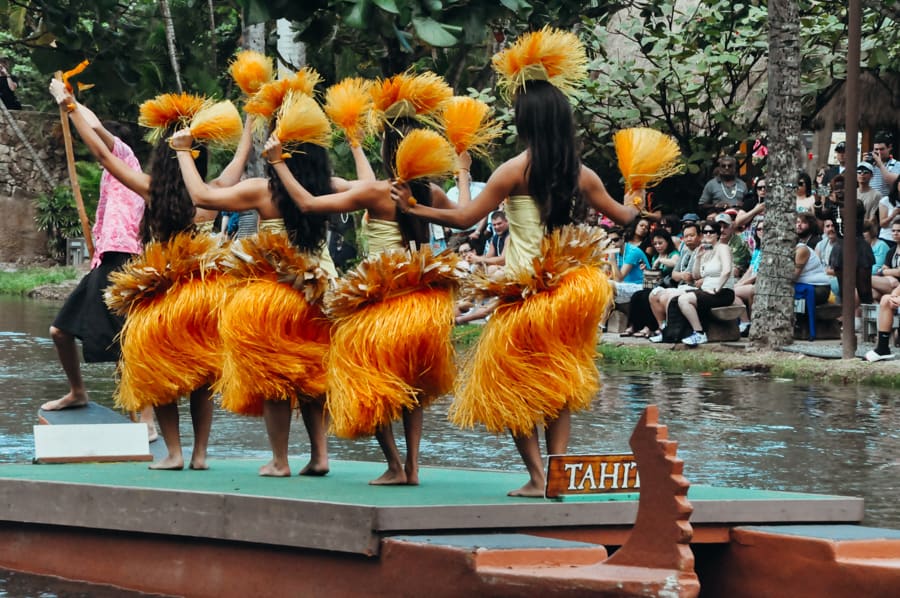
228 532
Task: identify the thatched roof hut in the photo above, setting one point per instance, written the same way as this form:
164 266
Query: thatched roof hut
879 103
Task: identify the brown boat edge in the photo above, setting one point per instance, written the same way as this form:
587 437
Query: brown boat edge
228 532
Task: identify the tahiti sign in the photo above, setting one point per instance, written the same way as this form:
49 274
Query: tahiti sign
591 474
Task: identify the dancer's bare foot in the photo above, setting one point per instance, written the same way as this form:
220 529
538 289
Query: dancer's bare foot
273 470
169 463
315 469
69 401
529 490
199 463
390 478
412 476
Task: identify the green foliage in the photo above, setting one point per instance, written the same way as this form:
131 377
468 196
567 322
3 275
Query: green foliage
21 282
57 214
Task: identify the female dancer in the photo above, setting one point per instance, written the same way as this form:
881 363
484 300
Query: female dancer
391 353
547 186
274 333
168 211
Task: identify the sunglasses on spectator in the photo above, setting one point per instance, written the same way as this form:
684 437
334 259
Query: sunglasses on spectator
801 184
761 187
615 239
708 231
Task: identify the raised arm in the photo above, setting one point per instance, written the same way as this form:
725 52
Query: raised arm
468 211
364 170
250 194
233 173
358 195
137 181
595 194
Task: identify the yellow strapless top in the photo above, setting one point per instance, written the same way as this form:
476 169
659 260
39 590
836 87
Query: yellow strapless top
276 227
525 233
382 235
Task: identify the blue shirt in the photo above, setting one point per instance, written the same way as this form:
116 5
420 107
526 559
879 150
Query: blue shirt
634 256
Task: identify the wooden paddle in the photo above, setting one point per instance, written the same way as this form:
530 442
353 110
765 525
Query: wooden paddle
73 176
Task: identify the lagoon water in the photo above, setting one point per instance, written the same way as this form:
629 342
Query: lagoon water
734 429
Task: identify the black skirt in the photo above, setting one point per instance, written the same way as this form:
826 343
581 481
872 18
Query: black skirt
85 316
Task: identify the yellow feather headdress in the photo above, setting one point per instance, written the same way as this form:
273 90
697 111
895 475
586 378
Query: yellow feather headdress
424 154
266 102
408 95
301 120
548 54
348 105
167 109
218 124
251 70
646 157
468 125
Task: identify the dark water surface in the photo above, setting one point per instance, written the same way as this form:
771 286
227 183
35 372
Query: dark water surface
733 430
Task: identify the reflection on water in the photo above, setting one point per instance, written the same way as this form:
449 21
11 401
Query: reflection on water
733 430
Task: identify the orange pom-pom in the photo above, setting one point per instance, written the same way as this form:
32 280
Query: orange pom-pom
167 109
424 154
347 104
219 124
301 120
251 70
407 95
266 102
468 125
548 55
646 157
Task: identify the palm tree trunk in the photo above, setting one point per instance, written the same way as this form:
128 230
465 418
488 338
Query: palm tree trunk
212 35
774 304
170 42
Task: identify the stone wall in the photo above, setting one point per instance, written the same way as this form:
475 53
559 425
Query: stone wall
21 180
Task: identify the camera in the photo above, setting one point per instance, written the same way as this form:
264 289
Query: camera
868 158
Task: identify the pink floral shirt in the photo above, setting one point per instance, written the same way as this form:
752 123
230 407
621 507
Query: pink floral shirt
119 211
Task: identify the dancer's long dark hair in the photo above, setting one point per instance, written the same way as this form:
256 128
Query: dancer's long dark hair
411 227
310 166
545 124
169 210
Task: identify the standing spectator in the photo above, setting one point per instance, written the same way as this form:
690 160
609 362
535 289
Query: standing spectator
887 168
865 193
725 189
8 87
840 152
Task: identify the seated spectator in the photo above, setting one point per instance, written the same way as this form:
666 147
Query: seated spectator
627 268
745 288
809 271
864 260
682 279
739 250
824 249
807 228
672 225
466 310
887 309
806 198
888 212
494 258
640 317
638 235
879 248
747 216
714 272
886 277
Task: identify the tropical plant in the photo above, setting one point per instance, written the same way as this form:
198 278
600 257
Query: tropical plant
57 215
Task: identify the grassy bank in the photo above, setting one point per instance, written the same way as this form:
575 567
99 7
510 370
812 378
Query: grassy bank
716 358
20 282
